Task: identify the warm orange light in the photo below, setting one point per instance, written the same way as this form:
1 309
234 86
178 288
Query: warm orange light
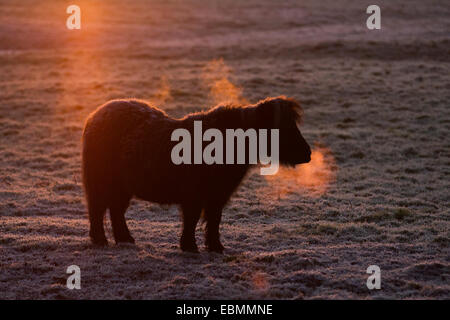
223 91
162 94
260 281
319 172
216 76
315 176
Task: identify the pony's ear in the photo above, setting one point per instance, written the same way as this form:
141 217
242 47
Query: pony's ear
269 112
277 113
298 113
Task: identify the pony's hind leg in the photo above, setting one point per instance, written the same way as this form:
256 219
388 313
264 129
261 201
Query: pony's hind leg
117 211
213 216
191 214
96 215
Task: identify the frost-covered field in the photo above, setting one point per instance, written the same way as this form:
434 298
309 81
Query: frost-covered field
377 101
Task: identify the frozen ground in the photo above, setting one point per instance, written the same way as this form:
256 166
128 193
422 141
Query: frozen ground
377 100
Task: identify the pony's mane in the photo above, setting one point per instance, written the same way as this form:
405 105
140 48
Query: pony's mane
285 105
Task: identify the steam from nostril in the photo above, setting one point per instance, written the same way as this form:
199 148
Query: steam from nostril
316 176
319 173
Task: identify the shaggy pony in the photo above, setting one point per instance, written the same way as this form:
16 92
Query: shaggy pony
127 153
